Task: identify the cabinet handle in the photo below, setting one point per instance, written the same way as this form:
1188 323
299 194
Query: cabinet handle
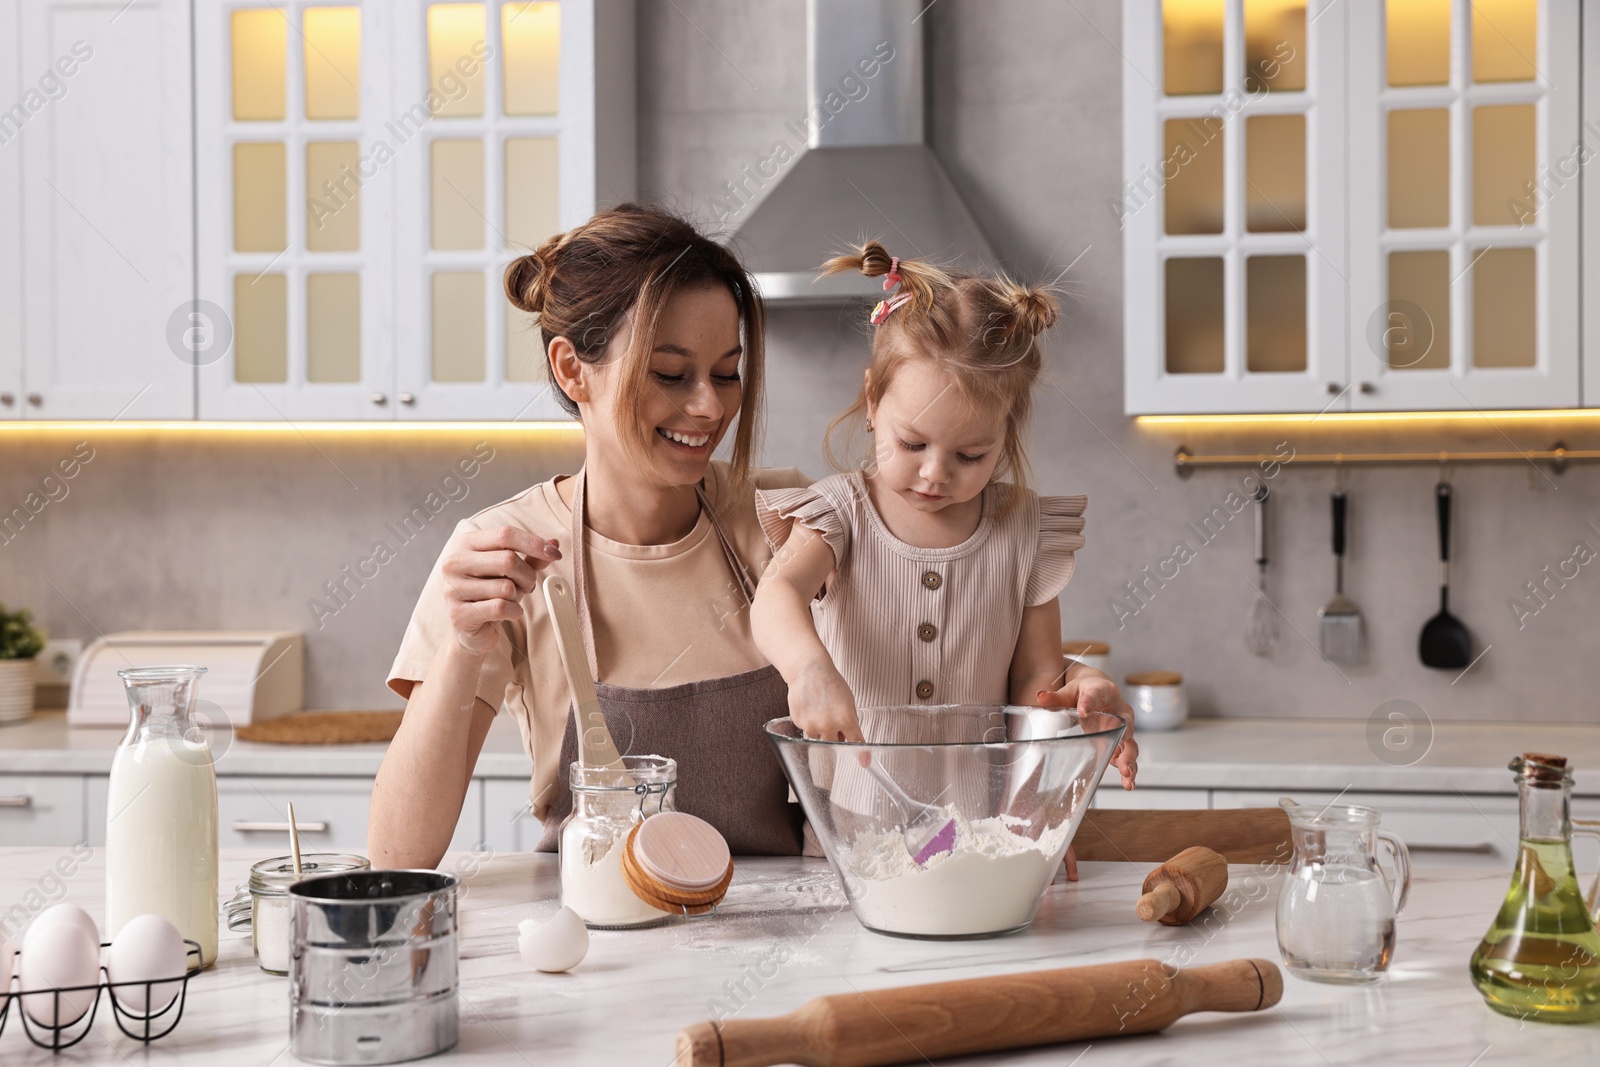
244 826
22 801
380 398
35 399
7 399
1368 387
1334 388
408 398
1484 849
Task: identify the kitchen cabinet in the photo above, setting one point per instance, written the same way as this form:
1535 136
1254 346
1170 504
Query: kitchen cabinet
46 809
366 172
508 822
1331 206
11 398
105 203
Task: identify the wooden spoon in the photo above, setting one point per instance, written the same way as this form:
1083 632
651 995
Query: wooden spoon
595 746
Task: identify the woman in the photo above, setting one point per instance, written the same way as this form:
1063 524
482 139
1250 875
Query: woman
653 339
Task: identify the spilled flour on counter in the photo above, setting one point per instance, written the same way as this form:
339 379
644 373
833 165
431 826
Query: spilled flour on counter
989 882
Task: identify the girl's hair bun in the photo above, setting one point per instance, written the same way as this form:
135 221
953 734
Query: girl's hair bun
1032 311
527 279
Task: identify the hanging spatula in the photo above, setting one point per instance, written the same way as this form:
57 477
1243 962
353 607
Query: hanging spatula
1342 638
1445 642
595 746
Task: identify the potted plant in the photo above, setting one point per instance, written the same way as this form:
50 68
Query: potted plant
20 641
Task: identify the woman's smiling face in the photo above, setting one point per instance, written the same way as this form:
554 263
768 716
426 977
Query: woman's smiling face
692 390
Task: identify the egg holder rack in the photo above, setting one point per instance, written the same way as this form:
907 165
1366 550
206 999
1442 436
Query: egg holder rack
141 1023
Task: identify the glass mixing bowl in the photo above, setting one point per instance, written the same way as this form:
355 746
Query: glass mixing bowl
1015 781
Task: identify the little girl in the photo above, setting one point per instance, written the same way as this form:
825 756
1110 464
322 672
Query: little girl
927 577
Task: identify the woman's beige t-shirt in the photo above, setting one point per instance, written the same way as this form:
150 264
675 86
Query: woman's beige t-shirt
663 615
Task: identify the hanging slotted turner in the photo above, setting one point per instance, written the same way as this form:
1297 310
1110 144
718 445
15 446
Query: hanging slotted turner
1342 638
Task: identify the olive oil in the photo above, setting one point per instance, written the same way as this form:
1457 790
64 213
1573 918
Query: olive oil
1540 959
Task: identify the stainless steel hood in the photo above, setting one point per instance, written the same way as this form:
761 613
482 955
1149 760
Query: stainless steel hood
867 171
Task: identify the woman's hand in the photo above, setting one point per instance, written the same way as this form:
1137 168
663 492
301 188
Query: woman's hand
1090 690
821 704
487 575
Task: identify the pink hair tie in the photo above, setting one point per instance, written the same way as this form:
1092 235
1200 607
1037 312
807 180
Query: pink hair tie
892 279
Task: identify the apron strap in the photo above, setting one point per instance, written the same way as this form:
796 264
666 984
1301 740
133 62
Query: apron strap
580 568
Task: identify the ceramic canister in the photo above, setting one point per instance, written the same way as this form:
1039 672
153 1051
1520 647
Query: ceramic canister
1096 654
372 970
1158 699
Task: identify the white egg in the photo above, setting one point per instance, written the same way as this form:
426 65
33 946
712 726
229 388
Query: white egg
559 944
57 955
147 947
69 913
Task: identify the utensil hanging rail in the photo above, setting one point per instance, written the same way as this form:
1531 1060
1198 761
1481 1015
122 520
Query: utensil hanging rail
1557 456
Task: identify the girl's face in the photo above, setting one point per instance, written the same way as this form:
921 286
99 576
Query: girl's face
693 389
933 448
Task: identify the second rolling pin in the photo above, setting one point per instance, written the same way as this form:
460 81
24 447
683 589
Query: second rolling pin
917 1024
1183 887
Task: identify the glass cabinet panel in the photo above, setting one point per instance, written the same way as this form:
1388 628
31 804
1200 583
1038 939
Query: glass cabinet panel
333 197
333 62
1274 45
259 40
456 33
1418 40
458 318
260 199
333 328
533 190
530 38
1505 308
1504 147
1195 316
524 347
260 328
1275 304
1192 40
1194 179
457 197
1505 40
1419 168
1416 331
1275 173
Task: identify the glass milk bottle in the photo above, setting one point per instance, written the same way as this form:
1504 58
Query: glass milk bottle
161 818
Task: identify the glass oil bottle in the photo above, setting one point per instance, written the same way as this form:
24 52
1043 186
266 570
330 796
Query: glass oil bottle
1540 959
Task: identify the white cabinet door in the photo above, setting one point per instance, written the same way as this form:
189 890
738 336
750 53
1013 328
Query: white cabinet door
508 822
331 813
1464 224
1440 830
107 208
11 398
44 809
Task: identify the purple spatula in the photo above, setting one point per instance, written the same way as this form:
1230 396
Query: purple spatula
929 831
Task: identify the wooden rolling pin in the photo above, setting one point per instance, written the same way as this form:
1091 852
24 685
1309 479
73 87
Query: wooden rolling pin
1183 887
914 1024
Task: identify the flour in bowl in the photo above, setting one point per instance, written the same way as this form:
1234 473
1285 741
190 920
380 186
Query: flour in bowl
990 882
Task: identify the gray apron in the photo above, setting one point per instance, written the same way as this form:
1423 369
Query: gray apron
728 773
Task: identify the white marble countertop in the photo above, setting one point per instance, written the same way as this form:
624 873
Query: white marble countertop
1269 754
785 935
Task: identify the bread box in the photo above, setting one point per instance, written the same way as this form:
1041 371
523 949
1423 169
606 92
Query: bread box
251 675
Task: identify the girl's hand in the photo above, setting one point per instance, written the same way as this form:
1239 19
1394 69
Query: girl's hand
486 576
1090 690
821 704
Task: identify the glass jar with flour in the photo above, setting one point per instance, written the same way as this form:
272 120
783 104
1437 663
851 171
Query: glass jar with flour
269 900
605 807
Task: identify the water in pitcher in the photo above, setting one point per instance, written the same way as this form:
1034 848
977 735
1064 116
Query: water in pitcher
1336 923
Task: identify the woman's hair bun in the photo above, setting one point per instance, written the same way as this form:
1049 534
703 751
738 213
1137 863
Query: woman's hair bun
526 279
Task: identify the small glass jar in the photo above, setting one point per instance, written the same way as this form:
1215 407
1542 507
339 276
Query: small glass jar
594 835
269 900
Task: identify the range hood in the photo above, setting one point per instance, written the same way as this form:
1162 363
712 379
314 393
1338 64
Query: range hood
866 171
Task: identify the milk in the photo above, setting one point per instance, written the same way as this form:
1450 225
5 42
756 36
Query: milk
161 837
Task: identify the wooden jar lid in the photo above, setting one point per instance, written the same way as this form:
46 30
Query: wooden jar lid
1155 678
677 862
1085 648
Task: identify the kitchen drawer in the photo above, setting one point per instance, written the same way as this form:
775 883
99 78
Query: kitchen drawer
508 822
1112 795
1441 830
44 809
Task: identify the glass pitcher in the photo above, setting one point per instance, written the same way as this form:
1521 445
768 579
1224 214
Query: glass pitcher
161 812
1337 906
1541 957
